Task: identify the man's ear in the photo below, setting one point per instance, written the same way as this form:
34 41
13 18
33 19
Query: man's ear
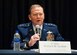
29 17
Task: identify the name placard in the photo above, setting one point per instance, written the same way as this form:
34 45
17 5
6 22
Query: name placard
54 47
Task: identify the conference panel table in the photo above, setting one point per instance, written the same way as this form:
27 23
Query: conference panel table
31 52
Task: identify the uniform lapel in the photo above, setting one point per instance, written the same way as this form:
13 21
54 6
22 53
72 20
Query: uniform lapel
44 33
31 31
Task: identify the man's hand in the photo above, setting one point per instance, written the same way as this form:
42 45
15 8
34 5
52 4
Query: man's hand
34 39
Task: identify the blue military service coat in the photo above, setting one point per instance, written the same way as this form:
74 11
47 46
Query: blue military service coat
26 31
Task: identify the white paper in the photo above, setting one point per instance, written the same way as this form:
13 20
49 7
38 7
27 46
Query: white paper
54 47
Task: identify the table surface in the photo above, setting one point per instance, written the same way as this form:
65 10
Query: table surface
32 51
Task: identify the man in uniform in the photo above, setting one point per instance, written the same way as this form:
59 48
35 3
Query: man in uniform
28 30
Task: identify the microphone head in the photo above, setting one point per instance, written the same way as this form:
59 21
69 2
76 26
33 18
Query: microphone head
37 26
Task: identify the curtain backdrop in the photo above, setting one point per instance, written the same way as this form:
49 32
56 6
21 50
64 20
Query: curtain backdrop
63 13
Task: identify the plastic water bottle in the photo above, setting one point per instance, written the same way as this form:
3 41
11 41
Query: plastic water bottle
16 45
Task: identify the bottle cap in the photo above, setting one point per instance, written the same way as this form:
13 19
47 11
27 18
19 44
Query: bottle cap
16 31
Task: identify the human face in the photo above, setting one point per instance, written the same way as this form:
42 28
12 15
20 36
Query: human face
37 15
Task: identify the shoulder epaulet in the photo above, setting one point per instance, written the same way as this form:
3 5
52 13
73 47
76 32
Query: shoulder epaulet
50 24
24 25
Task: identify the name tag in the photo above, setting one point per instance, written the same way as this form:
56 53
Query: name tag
54 47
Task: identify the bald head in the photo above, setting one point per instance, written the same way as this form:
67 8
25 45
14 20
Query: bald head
34 6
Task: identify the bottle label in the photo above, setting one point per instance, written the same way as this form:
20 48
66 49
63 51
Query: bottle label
16 40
